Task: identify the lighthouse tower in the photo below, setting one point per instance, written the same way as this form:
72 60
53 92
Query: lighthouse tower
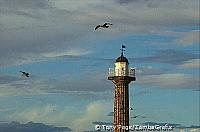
121 75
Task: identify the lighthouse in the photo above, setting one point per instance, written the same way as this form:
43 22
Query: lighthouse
121 75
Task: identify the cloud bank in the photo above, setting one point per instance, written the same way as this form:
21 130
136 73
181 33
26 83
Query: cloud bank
29 29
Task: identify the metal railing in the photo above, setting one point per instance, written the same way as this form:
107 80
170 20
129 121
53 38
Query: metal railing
132 72
112 72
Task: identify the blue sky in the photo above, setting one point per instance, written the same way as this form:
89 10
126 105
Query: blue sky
55 41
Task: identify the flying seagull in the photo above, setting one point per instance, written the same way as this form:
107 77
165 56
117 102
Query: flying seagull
135 116
105 25
26 74
139 116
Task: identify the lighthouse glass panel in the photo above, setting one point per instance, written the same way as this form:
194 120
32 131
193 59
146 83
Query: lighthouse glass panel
121 69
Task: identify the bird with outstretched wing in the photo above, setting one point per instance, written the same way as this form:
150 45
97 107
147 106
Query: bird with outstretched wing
105 25
26 74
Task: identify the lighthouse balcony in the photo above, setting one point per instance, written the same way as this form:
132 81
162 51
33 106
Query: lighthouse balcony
121 73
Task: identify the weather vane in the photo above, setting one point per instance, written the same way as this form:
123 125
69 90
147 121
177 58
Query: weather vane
123 49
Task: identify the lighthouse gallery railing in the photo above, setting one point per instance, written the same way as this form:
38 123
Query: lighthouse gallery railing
131 72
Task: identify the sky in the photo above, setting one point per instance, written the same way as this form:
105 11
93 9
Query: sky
68 62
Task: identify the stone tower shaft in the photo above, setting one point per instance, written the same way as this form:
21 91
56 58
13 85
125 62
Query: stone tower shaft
121 75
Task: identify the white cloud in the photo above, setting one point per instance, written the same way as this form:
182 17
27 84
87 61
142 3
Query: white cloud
193 63
173 80
10 90
78 119
94 111
48 114
189 38
5 109
71 52
148 70
42 27
15 86
93 83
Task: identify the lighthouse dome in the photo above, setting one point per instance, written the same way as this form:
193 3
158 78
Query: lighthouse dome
122 59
